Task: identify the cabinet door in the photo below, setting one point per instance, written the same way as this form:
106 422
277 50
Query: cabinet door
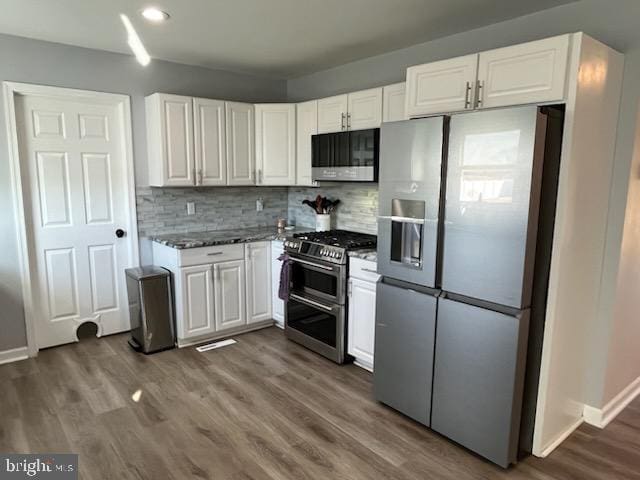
170 135
364 109
533 72
478 378
362 321
229 280
276 144
441 87
210 142
196 302
332 114
306 126
258 264
393 102
240 147
277 305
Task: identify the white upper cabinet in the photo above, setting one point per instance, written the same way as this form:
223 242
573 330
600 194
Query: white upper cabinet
393 102
170 140
306 127
240 146
364 109
439 87
332 114
210 144
532 72
276 144
355 111
258 265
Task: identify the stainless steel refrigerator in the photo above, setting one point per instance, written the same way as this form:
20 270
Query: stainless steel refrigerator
460 216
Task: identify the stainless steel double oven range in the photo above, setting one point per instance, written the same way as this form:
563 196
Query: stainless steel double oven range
315 314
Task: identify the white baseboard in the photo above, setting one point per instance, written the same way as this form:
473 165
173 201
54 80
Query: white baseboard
601 417
551 446
14 355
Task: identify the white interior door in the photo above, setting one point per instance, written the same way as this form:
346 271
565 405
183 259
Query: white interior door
74 177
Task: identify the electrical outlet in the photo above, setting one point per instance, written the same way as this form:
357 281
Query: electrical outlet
259 204
191 208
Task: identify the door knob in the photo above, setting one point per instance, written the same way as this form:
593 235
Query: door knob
120 233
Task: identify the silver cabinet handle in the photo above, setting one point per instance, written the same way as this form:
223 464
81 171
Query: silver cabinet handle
342 122
479 91
214 253
195 179
467 95
310 302
260 176
200 177
369 270
348 120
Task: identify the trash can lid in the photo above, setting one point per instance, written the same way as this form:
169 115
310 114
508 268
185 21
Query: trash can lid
146 271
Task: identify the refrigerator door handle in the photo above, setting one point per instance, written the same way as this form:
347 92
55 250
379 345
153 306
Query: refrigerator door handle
419 221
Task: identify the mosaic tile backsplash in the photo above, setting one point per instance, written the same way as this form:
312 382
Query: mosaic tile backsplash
357 211
164 210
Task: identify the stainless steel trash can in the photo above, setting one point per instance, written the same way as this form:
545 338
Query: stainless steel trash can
150 309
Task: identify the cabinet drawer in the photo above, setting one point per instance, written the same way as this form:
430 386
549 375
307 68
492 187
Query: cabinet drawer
363 269
215 254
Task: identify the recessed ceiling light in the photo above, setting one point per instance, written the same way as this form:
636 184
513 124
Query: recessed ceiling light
155 15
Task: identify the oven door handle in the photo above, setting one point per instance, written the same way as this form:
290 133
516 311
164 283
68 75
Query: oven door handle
323 267
310 302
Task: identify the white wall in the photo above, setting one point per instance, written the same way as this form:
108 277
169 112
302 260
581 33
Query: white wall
623 359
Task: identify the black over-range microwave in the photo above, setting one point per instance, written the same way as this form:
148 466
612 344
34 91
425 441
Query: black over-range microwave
346 156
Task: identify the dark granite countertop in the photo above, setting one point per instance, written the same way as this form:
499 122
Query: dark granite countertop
369 254
224 237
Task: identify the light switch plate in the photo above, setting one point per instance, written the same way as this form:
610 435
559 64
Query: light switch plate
259 204
191 208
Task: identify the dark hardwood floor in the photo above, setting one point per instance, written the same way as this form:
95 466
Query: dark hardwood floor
264 408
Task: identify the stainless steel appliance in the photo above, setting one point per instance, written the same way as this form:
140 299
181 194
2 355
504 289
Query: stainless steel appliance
409 199
345 156
150 309
315 314
461 217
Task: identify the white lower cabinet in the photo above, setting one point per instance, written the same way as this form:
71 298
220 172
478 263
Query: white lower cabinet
196 301
362 312
258 265
229 282
219 290
277 305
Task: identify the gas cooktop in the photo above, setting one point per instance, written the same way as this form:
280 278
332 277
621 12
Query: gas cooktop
330 246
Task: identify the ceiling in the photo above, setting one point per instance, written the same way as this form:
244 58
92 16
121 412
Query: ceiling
279 38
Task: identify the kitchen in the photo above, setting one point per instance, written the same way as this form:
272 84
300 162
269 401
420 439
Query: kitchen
222 171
